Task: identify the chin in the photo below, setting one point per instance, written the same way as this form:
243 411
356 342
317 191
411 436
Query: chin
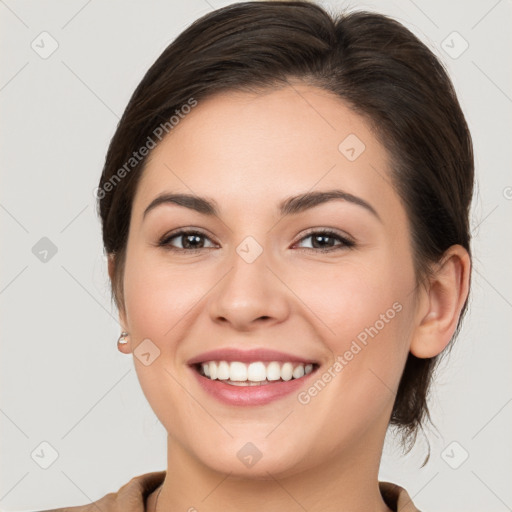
245 459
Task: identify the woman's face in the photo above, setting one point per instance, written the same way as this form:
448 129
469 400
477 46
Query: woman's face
258 276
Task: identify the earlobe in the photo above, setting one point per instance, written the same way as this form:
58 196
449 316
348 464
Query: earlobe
124 343
444 298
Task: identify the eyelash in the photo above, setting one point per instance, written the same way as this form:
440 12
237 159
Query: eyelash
346 243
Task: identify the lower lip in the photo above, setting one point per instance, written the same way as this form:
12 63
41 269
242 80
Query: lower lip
251 395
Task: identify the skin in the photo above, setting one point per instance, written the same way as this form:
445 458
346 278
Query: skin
248 152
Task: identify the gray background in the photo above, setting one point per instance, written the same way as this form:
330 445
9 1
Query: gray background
63 381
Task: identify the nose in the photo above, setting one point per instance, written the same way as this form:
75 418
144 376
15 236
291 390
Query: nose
249 295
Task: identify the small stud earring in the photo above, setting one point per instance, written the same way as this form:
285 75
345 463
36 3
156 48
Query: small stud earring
122 339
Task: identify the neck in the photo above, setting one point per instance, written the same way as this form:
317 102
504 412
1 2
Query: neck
345 482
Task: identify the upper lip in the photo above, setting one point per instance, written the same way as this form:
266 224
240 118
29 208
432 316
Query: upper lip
247 356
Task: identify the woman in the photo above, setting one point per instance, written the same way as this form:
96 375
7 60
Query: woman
285 208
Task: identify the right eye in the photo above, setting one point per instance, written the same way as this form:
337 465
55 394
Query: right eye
190 241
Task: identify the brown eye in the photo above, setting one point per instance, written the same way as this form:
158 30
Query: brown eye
325 241
189 240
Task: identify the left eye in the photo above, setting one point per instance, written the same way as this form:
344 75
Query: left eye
321 240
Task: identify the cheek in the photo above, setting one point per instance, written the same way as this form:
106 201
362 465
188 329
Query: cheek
156 295
351 299
159 304
366 322
364 314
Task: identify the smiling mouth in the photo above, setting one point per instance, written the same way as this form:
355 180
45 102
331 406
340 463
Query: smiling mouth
257 373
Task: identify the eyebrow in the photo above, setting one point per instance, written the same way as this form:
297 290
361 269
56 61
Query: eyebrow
290 206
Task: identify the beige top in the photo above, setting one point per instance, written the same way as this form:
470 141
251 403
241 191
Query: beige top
132 496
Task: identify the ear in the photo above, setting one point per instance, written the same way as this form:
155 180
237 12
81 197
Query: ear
122 313
441 303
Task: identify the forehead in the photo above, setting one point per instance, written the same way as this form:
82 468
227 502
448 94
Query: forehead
246 147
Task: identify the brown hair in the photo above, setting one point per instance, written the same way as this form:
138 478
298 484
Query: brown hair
372 63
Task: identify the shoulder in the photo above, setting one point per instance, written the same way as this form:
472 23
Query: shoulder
396 497
131 497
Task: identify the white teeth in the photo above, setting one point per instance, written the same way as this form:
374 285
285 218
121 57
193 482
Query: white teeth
273 371
298 372
223 370
287 371
254 373
237 371
213 370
